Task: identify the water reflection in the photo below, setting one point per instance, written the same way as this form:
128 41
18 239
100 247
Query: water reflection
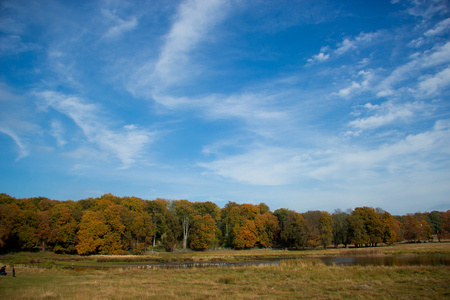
405 260
400 260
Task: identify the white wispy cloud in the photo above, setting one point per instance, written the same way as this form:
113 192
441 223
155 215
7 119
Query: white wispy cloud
23 150
57 131
361 40
321 57
260 166
355 87
120 26
16 120
427 9
385 114
440 28
127 144
415 153
435 83
439 55
194 21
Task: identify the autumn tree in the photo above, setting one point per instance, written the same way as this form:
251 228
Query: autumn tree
325 229
445 231
390 228
312 220
267 229
245 235
8 218
133 204
65 228
228 219
45 230
415 228
203 232
91 236
113 239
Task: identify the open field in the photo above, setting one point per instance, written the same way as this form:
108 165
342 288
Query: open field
298 278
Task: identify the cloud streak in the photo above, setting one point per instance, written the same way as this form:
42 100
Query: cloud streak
126 144
194 21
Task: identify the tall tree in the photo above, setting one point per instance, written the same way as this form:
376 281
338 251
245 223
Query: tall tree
373 227
391 228
267 229
445 231
203 232
415 228
356 230
294 233
312 222
185 212
158 209
340 228
8 217
245 236
45 229
325 229
65 227
142 231
93 230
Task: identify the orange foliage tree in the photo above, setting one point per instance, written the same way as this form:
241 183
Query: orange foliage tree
203 232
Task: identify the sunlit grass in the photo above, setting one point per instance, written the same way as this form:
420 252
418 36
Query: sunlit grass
302 278
305 277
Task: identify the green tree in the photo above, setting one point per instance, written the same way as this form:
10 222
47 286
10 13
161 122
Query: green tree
373 226
26 229
294 233
340 228
142 231
158 209
185 211
356 230
172 231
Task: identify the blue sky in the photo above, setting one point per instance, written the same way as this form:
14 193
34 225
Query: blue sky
306 105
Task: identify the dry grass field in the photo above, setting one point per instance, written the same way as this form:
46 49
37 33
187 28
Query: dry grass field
291 279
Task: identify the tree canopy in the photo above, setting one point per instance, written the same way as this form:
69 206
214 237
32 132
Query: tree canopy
119 225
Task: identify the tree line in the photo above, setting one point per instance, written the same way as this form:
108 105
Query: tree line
120 225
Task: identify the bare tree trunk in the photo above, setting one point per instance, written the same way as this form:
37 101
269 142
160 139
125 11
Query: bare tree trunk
185 231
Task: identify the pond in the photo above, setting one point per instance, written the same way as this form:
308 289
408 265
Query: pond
395 260
398 260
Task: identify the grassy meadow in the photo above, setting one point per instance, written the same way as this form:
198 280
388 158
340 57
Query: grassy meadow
291 279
